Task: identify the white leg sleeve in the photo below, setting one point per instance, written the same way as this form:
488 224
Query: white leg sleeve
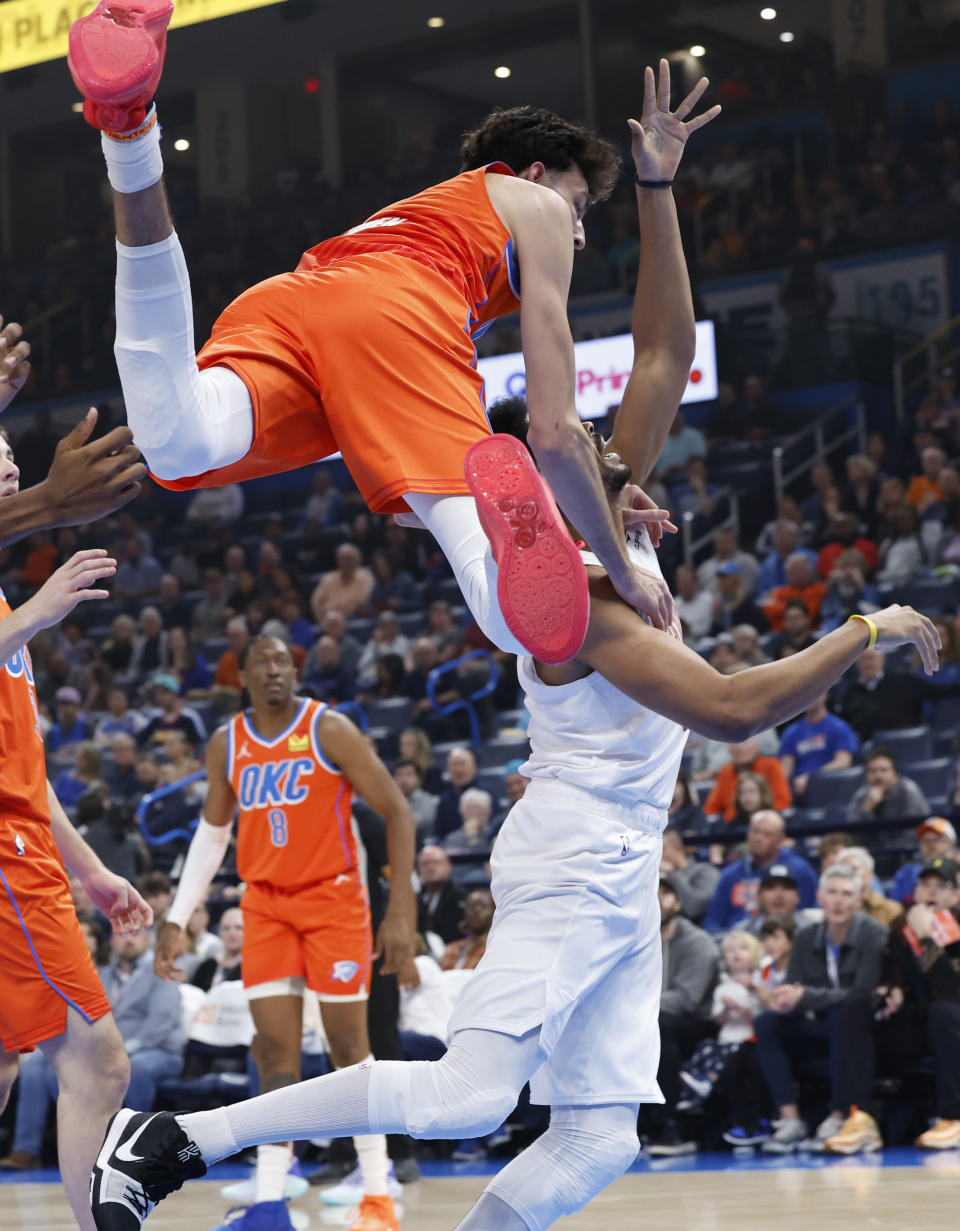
583 1150
455 524
184 421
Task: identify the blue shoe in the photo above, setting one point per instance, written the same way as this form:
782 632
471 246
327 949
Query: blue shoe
470 1151
745 1135
264 1216
243 1192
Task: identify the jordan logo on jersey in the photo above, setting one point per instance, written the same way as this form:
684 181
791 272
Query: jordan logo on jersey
298 743
275 783
343 972
244 751
21 849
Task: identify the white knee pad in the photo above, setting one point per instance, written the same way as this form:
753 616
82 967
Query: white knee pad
583 1150
433 1099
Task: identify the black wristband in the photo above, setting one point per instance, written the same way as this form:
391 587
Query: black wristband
652 183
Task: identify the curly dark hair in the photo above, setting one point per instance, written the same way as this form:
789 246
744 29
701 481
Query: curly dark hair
520 136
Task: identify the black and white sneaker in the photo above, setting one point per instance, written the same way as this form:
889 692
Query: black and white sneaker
144 1157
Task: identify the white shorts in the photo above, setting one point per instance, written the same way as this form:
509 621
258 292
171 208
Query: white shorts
575 945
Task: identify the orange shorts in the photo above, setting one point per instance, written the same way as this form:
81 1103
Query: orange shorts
320 933
370 356
44 961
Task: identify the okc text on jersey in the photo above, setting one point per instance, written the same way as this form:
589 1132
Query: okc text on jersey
275 783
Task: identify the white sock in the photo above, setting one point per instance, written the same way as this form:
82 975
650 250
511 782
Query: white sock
136 163
374 1163
273 1163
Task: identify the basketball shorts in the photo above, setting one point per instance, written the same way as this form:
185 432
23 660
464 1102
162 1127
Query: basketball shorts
370 356
575 945
318 933
45 966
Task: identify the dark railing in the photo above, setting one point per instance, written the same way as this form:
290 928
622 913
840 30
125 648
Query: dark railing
464 703
172 835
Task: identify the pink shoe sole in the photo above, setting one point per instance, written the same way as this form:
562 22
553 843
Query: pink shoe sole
541 584
116 58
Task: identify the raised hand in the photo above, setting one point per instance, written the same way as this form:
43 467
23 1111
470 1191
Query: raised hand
14 367
897 625
659 136
91 478
69 585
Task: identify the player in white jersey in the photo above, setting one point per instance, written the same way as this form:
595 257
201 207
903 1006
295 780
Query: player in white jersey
567 994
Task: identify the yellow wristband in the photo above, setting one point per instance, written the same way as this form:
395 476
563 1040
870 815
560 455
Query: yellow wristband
870 625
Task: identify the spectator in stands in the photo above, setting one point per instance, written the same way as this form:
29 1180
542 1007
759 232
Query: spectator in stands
848 591
787 510
121 775
830 961
181 762
389 678
465 954
325 501
148 772
414 745
818 741
756 417
461 775
335 626
424 658
157 890
70 784
873 903
919 995
806 296
696 495
170 603
347 588
440 901
210 612
227 677
325 674
393 589
188 663
137 574
694 606
821 481
745 758
173 715
685 812
886 795
293 611
690 966
778 897
150 653
111 831
881 700
734 900
682 443
746 645
936 839
692 880
802 586
773 570
476 812
901 553
203 944
70 727
407 776
752 795
117 650
726 546
844 533
147 1013
216 507
225 966
120 719
442 629
925 488
732 604
386 639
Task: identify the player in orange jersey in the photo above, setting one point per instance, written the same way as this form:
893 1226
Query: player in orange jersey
291 766
50 994
367 347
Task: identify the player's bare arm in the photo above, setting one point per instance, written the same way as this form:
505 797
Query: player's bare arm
663 323
111 894
204 856
69 585
87 480
544 226
14 362
666 676
343 744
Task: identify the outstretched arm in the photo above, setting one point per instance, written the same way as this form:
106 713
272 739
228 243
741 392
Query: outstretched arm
663 325
56 598
669 678
363 769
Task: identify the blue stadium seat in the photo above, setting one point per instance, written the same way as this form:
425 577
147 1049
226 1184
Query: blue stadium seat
934 777
835 786
944 740
905 744
394 713
500 750
930 595
946 713
412 623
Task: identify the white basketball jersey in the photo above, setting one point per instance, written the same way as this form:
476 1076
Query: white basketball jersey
593 736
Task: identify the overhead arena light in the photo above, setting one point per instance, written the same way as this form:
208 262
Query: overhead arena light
786 36
502 71
768 14
698 50
181 145
78 107
435 23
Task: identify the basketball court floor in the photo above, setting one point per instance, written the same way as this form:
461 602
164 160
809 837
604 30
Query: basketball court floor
711 1192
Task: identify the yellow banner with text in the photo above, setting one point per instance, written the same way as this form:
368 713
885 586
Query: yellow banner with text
32 31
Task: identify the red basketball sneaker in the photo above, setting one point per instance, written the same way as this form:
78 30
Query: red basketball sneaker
541 584
116 57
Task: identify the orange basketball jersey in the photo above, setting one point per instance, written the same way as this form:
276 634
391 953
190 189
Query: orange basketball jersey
451 228
295 823
23 769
